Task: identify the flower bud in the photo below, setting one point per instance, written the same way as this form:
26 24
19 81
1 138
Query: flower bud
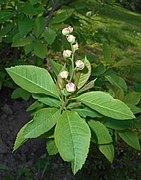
66 31
79 64
64 74
71 39
67 53
70 87
75 46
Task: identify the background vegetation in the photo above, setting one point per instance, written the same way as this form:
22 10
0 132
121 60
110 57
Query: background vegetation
114 23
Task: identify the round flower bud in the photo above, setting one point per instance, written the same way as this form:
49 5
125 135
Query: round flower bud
66 31
67 53
70 87
79 64
75 46
71 39
64 74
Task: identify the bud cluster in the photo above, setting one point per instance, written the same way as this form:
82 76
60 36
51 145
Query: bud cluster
70 86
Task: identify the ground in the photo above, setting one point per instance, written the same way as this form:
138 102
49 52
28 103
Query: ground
31 161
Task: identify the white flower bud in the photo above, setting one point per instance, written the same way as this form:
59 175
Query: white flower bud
75 46
79 64
66 31
64 74
67 53
71 39
70 87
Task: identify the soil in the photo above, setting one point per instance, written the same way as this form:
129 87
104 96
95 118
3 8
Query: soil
13 115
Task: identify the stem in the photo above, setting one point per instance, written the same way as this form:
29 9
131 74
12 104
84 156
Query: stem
72 62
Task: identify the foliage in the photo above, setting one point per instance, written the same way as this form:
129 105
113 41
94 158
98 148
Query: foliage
65 95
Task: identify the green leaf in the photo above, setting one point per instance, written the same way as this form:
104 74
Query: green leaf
20 93
105 104
5 15
133 98
28 48
134 108
40 50
33 2
118 125
97 70
72 138
34 106
20 139
85 74
107 53
130 138
47 100
61 16
25 26
87 87
86 112
49 35
30 10
33 79
108 151
51 147
42 122
101 132
117 81
19 41
39 26
55 66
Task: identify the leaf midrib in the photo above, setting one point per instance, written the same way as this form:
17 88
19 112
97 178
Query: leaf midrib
105 108
40 125
72 142
33 83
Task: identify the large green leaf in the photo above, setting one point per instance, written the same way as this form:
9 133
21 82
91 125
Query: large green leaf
118 125
105 104
72 138
130 138
42 122
86 112
85 74
33 79
20 139
101 132
108 151
47 100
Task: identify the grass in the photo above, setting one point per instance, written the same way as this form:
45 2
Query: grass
120 27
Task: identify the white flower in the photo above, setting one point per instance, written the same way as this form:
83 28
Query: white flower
66 31
70 87
64 74
79 64
67 53
75 46
71 38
